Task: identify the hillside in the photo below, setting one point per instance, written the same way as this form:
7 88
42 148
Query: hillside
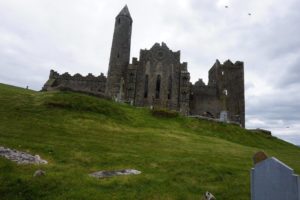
180 158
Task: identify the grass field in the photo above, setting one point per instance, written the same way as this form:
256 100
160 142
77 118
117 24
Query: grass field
180 158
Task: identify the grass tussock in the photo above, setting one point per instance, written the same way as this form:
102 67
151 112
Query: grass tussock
164 113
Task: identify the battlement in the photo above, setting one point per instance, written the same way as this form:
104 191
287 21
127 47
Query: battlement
228 64
76 77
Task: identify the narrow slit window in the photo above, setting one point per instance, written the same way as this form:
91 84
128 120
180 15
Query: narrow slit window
131 77
170 88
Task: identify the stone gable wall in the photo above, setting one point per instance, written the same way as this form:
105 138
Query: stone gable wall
159 63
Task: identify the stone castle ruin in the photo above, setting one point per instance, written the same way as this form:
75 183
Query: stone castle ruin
78 83
159 79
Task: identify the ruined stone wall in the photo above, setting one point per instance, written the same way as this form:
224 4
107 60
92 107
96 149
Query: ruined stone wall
88 84
224 92
204 100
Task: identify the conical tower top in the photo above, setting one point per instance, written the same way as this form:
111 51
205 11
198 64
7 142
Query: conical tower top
125 12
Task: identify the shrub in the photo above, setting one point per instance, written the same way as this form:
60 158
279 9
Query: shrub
164 113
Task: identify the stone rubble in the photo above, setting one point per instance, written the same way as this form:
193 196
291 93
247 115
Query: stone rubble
105 174
39 172
21 157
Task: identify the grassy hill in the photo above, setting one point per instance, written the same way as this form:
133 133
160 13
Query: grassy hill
180 158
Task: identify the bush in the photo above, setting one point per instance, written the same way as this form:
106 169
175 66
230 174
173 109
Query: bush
164 113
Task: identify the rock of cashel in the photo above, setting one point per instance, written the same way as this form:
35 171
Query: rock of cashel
159 79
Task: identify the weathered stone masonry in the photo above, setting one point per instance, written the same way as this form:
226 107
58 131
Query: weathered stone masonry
224 92
79 83
159 79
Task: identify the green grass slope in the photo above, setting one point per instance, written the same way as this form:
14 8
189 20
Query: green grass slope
180 158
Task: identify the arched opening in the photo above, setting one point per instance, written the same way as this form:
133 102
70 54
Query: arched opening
146 87
157 88
119 20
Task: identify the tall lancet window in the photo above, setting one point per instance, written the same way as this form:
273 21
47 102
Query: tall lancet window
146 87
170 87
157 88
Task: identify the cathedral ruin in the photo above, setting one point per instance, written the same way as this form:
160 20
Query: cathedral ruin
159 79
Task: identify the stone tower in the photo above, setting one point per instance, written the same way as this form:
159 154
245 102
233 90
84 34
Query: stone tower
119 55
229 81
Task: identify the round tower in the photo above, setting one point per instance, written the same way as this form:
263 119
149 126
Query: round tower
119 55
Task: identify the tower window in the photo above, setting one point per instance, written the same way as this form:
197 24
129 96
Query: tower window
146 87
157 89
119 20
225 92
118 55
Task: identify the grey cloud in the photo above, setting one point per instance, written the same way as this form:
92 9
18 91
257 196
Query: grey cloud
291 76
75 36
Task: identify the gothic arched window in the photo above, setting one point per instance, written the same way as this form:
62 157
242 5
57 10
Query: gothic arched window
157 88
146 87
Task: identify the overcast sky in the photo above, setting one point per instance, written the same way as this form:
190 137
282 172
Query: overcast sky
75 36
